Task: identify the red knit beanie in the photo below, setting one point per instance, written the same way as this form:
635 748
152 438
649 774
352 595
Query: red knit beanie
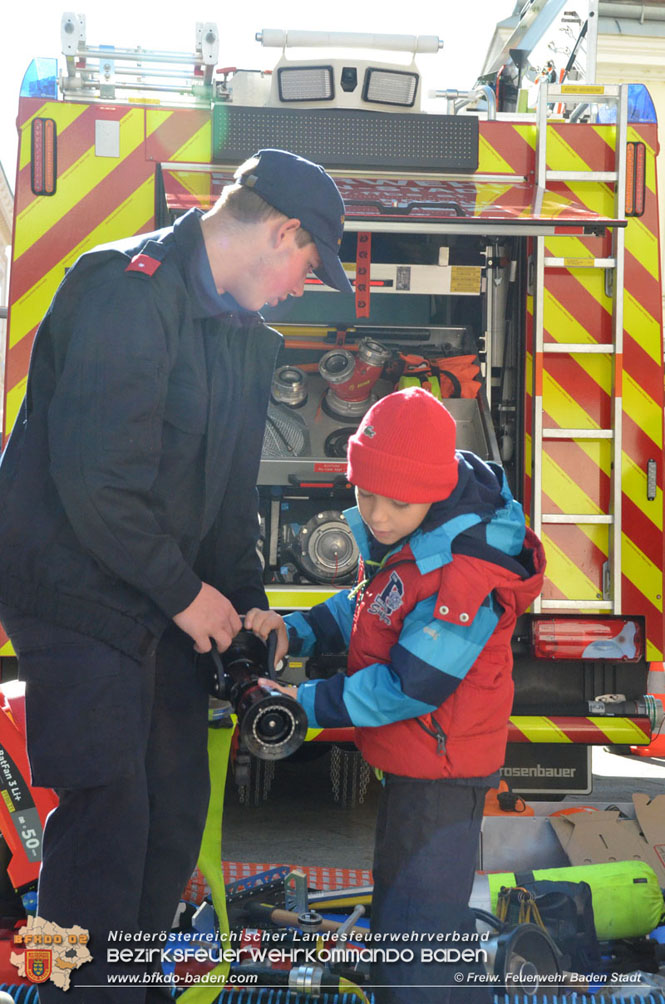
404 448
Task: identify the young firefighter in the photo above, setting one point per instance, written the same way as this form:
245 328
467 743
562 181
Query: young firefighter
128 529
447 567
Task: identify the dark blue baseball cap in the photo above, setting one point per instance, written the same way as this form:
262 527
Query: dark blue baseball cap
303 191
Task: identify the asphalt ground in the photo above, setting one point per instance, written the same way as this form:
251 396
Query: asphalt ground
301 823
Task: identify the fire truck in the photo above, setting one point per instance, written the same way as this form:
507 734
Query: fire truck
508 263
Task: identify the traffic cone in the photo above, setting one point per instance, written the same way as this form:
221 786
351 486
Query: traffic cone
656 688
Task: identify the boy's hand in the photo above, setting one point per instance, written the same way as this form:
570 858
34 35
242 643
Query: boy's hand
262 622
282 687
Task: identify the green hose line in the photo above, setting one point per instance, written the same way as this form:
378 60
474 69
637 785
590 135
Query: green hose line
210 862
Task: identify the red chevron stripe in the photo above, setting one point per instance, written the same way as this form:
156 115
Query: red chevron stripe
164 142
579 730
72 142
584 554
510 145
84 216
18 359
592 145
590 478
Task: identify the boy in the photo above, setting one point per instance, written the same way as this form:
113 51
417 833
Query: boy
448 566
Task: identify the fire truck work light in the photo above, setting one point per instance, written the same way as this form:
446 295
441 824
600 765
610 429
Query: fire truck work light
635 178
306 83
43 156
390 87
612 638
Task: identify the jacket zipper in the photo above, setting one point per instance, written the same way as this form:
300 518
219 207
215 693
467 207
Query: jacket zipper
436 732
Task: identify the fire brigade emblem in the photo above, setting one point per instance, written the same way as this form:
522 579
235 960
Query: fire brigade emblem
38 963
369 431
389 599
67 951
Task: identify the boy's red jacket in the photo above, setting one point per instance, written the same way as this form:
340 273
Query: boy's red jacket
472 721
429 679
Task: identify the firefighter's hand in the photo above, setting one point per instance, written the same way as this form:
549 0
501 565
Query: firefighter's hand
283 689
209 618
262 622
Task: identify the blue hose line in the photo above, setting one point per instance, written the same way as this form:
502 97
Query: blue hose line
281 995
22 993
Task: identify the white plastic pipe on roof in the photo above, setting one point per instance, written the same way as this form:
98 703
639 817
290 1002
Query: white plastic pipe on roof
349 40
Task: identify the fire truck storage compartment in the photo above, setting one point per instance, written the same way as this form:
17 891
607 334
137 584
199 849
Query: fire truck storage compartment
302 477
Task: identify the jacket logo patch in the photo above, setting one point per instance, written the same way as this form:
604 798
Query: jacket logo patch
389 599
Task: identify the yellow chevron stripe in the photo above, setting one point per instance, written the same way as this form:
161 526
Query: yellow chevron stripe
7 649
568 246
636 137
637 404
561 156
198 184
63 115
633 477
638 322
634 485
621 730
487 194
13 403
561 324
527 132
564 408
644 411
539 729
645 576
569 497
136 209
607 135
490 161
195 149
642 243
28 311
75 183
565 492
642 572
654 654
198 147
563 573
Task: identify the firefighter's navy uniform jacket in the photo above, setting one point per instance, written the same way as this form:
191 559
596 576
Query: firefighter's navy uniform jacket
429 690
146 401
129 478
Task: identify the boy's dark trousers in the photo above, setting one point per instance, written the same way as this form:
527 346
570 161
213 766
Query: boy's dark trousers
124 743
424 863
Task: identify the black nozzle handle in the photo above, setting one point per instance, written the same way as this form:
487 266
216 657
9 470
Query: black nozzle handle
271 645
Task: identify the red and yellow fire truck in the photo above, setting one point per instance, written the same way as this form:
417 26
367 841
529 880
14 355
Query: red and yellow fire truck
509 263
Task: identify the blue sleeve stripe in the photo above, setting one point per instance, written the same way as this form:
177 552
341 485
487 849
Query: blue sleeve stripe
342 608
306 697
329 708
420 680
374 696
325 627
445 647
297 623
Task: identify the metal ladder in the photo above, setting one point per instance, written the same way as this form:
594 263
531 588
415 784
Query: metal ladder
614 271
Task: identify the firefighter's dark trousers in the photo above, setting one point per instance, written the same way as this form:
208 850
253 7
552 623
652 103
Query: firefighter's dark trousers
424 863
125 746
